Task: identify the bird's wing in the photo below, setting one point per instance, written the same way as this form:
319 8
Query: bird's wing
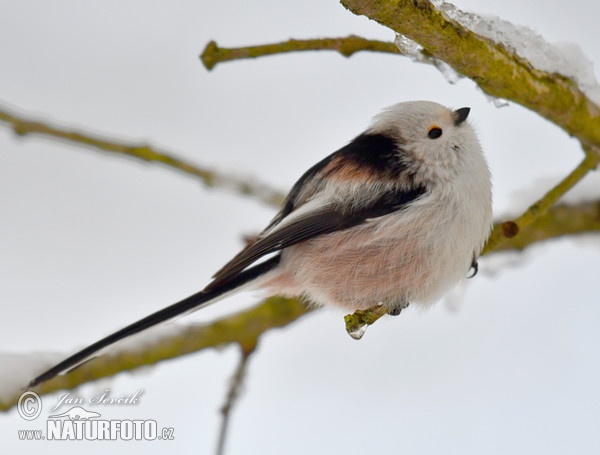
315 218
362 180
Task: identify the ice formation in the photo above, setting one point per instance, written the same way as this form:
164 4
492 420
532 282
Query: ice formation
566 59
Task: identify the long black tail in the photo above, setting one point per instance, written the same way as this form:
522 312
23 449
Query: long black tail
191 303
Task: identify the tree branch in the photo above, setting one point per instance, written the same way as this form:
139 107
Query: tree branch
497 70
24 126
347 46
234 392
243 329
510 229
560 221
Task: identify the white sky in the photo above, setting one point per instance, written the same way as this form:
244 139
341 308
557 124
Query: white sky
90 242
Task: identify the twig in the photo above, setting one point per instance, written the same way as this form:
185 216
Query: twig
23 126
510 229
559 221
357 322
235 388
213 54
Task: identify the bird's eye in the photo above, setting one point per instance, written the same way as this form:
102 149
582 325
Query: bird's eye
434 132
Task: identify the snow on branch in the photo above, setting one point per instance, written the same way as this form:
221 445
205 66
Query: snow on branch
497 68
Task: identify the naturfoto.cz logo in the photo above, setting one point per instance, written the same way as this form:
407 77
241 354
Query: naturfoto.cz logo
78 423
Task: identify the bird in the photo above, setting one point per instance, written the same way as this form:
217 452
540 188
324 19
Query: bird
397 216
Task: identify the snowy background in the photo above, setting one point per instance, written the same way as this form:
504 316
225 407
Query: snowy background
90 242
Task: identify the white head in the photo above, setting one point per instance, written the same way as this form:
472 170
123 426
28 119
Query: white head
439 143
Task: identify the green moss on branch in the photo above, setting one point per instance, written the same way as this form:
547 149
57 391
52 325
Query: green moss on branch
213 54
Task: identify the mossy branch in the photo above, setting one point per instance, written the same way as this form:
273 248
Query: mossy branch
357 322
233 394
243 329
497 70
510 229
23 126
559 221
347 46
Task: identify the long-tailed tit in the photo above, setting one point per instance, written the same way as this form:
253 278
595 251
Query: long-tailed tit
397 216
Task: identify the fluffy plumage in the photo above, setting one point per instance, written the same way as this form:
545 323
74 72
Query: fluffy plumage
397 216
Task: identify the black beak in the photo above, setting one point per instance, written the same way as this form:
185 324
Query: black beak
460 115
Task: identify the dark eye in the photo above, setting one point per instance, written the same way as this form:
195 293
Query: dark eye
434 132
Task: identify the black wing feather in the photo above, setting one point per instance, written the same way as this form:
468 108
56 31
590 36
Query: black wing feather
314 224
373 153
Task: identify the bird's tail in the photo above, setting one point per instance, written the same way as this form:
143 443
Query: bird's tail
194 302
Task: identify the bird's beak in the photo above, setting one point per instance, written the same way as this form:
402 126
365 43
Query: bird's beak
460 115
